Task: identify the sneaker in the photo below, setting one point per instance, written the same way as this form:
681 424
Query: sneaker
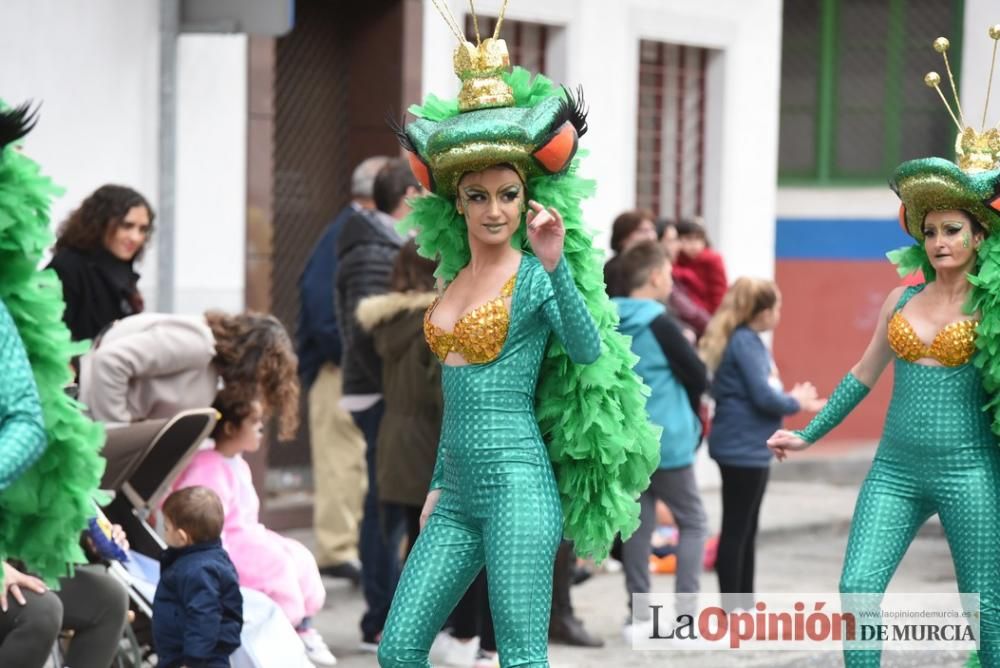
486 659
316 649
369 642
450 651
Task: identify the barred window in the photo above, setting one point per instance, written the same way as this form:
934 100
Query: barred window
670 149
526 42
853 101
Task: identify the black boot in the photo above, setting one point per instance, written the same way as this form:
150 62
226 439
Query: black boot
564 627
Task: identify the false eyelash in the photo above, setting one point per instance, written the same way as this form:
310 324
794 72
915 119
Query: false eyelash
573 109
15 123
397 129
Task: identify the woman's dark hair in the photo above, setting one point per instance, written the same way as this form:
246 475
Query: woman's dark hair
411 272
257 361
691 228
664 224
625 224
87 227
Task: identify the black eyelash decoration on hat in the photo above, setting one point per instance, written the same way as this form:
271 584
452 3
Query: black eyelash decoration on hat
574 109
17 122
397 129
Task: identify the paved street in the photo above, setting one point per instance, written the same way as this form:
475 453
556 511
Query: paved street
804 530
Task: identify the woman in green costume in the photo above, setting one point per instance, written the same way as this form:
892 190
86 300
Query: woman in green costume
503 220
49 463
938 453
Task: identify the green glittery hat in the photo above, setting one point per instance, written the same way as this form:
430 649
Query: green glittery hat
487 124
935 184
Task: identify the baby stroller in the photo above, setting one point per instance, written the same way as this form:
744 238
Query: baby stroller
143 461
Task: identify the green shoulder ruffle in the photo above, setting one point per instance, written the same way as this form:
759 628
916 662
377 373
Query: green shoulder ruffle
985 299
601 443
44 511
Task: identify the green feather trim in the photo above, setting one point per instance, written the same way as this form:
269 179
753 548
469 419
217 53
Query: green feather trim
985 299
44 511
593 418
911 259
528 92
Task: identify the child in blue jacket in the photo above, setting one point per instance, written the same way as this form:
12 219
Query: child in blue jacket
198 608
670 366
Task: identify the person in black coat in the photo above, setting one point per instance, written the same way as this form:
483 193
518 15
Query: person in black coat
198 607
95 253
366 250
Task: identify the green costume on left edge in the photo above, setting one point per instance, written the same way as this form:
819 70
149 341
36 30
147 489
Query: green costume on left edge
499 502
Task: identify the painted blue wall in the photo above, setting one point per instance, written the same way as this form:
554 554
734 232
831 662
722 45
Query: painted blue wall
832 239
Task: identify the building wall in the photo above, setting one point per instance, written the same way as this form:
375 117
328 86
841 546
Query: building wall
596 44
95 69
831 265
209 262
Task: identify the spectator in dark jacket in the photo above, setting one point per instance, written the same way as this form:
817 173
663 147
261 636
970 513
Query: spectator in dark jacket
198 608
366 250
95 253
338 447
750 404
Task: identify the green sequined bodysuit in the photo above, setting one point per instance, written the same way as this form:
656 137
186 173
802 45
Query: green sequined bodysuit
499 504
937 455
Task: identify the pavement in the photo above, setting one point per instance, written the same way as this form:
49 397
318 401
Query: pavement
803 530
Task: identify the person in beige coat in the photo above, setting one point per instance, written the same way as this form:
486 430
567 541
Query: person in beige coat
154 365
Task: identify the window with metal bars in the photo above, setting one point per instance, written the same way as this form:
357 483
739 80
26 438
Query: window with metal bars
670 149
526 42
853 101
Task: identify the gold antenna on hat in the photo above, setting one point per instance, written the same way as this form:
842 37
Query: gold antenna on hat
475 21
941 45
974 151
449 19
995 36
933 80
503 10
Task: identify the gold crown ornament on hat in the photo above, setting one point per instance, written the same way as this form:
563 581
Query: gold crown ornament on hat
972 182
975 151
480 66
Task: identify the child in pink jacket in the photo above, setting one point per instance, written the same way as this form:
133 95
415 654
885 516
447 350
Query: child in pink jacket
280 567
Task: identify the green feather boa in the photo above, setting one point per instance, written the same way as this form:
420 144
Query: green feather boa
593 418
985 300
44 511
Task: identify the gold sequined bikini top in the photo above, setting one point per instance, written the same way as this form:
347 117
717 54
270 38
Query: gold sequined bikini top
478 335
954 345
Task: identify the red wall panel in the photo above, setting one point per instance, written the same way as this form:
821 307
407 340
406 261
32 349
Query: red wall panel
829 311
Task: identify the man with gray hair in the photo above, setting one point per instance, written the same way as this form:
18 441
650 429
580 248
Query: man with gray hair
338 447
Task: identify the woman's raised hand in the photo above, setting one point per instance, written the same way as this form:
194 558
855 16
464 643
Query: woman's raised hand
784 441
545 233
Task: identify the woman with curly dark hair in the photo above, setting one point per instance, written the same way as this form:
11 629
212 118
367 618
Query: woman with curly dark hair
95 253
154 365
